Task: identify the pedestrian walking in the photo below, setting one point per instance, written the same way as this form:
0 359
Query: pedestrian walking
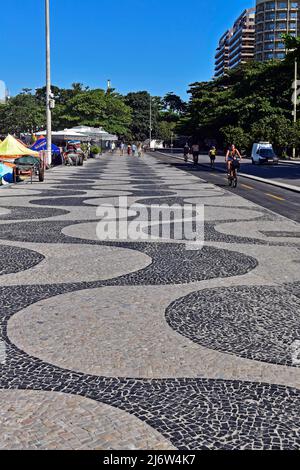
129 150
112 147
140 150
134 149
186 152
212 155
195 152
122 149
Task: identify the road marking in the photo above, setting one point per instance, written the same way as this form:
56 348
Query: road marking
275 197
246 186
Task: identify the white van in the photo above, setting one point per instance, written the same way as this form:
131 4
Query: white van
263 152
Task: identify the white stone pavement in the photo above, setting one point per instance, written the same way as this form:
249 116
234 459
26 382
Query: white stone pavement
146 345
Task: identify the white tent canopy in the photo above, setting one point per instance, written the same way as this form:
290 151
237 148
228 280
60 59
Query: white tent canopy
66 134
95 132
83 133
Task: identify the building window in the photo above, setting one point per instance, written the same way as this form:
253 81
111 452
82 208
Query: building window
269 37
270 26
292 25
260 17
269 55
270 16
269 46
280 55
270 5
294 5
282 4
281 26
282 15
280 45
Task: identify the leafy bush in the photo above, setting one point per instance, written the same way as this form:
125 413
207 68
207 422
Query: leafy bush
95 150
235 135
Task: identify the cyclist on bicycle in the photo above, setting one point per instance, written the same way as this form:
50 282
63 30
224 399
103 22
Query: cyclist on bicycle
233 155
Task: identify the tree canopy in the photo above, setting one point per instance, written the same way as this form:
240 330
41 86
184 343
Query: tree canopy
249 103
127 116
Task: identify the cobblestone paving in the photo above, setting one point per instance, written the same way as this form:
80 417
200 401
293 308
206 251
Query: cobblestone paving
146 345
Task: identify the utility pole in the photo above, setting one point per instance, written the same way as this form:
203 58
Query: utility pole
150 122
295 100
49 100
295 88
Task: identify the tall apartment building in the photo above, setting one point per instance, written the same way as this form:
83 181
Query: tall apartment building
237 45
222 54
274 18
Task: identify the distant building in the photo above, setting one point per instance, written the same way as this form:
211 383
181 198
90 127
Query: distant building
222 54
274 18
3 92
237 45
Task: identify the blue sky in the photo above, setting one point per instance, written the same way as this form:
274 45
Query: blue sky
158 45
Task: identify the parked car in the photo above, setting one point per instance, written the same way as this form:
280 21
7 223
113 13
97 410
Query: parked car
263 152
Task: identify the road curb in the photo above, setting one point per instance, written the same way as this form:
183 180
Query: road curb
289 187
289 162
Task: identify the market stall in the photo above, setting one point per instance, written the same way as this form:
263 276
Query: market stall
19 158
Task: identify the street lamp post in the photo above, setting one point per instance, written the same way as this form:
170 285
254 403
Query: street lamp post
48 85
150 122
295 101
295 88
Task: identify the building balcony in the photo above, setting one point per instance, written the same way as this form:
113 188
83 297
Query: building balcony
221 53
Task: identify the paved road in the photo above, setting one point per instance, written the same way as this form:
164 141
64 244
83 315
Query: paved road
129 344
283 172
279 200
286 173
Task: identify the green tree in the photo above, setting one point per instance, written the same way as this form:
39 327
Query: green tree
139 102
242 104
174 103
22 113
236 136
165 130
97 108
276 129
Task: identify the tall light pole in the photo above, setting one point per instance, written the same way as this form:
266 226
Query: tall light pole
150 121
48 85
295 100
172 138
295 88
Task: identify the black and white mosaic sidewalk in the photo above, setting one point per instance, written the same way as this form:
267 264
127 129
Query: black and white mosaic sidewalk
145 345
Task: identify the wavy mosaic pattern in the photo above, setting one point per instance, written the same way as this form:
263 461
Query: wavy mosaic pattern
224 320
